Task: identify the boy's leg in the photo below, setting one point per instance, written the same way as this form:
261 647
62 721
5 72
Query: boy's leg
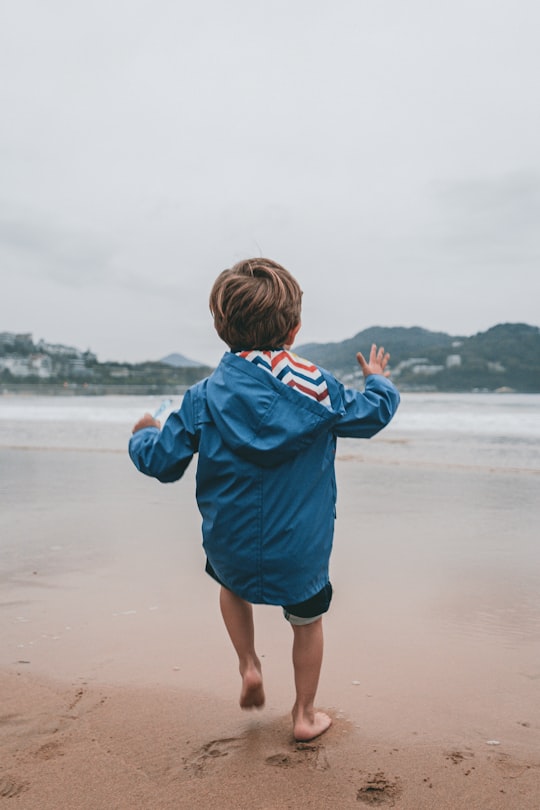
238 617
307 661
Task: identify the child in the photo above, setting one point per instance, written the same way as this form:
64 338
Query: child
265 425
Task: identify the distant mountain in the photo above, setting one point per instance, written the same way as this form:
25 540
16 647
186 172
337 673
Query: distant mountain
180 361
401 342
506 357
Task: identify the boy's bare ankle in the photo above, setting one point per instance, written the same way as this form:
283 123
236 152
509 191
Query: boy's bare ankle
309 724
252 694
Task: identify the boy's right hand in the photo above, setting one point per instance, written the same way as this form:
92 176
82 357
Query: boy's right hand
146 421
378 360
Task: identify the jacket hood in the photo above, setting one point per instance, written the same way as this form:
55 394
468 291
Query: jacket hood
261 418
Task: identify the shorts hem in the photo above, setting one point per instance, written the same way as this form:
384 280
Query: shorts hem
300 621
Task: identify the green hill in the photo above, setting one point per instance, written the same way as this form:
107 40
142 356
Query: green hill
507 356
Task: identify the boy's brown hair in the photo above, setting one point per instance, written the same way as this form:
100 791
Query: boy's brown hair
255 305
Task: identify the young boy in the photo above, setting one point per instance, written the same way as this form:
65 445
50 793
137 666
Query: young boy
265 425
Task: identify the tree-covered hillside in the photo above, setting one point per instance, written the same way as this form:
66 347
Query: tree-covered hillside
507 356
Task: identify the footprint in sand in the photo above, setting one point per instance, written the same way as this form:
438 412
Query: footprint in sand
211 751
378 790
458 756
280 760
314 756
9 788
49 750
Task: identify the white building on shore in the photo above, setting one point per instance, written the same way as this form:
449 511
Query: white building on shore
36 365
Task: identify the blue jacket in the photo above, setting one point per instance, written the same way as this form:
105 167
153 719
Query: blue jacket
266 485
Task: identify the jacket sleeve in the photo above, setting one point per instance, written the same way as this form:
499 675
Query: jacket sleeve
165 454
367 412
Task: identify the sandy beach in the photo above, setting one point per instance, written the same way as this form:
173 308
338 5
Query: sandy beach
119 687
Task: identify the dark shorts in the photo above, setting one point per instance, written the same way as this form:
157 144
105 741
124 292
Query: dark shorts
301 613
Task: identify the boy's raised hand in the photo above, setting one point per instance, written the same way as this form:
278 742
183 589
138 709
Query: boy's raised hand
378 360
146 421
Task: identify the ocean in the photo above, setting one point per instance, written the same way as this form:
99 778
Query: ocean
500 431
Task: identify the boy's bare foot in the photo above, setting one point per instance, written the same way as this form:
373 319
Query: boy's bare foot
252 695
306 728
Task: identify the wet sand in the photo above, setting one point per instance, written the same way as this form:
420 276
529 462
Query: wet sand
119 688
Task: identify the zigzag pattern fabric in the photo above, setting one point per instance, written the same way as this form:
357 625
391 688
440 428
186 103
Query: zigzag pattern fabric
293 371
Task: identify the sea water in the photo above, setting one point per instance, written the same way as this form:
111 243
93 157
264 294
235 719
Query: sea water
491 430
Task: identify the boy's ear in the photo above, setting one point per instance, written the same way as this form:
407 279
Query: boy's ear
292 334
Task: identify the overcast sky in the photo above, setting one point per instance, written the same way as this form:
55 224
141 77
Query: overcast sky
386 152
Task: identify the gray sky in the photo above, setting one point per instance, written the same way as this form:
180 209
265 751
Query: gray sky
386 152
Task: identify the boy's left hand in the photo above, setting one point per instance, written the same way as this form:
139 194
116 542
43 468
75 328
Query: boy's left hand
146 421
378 360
